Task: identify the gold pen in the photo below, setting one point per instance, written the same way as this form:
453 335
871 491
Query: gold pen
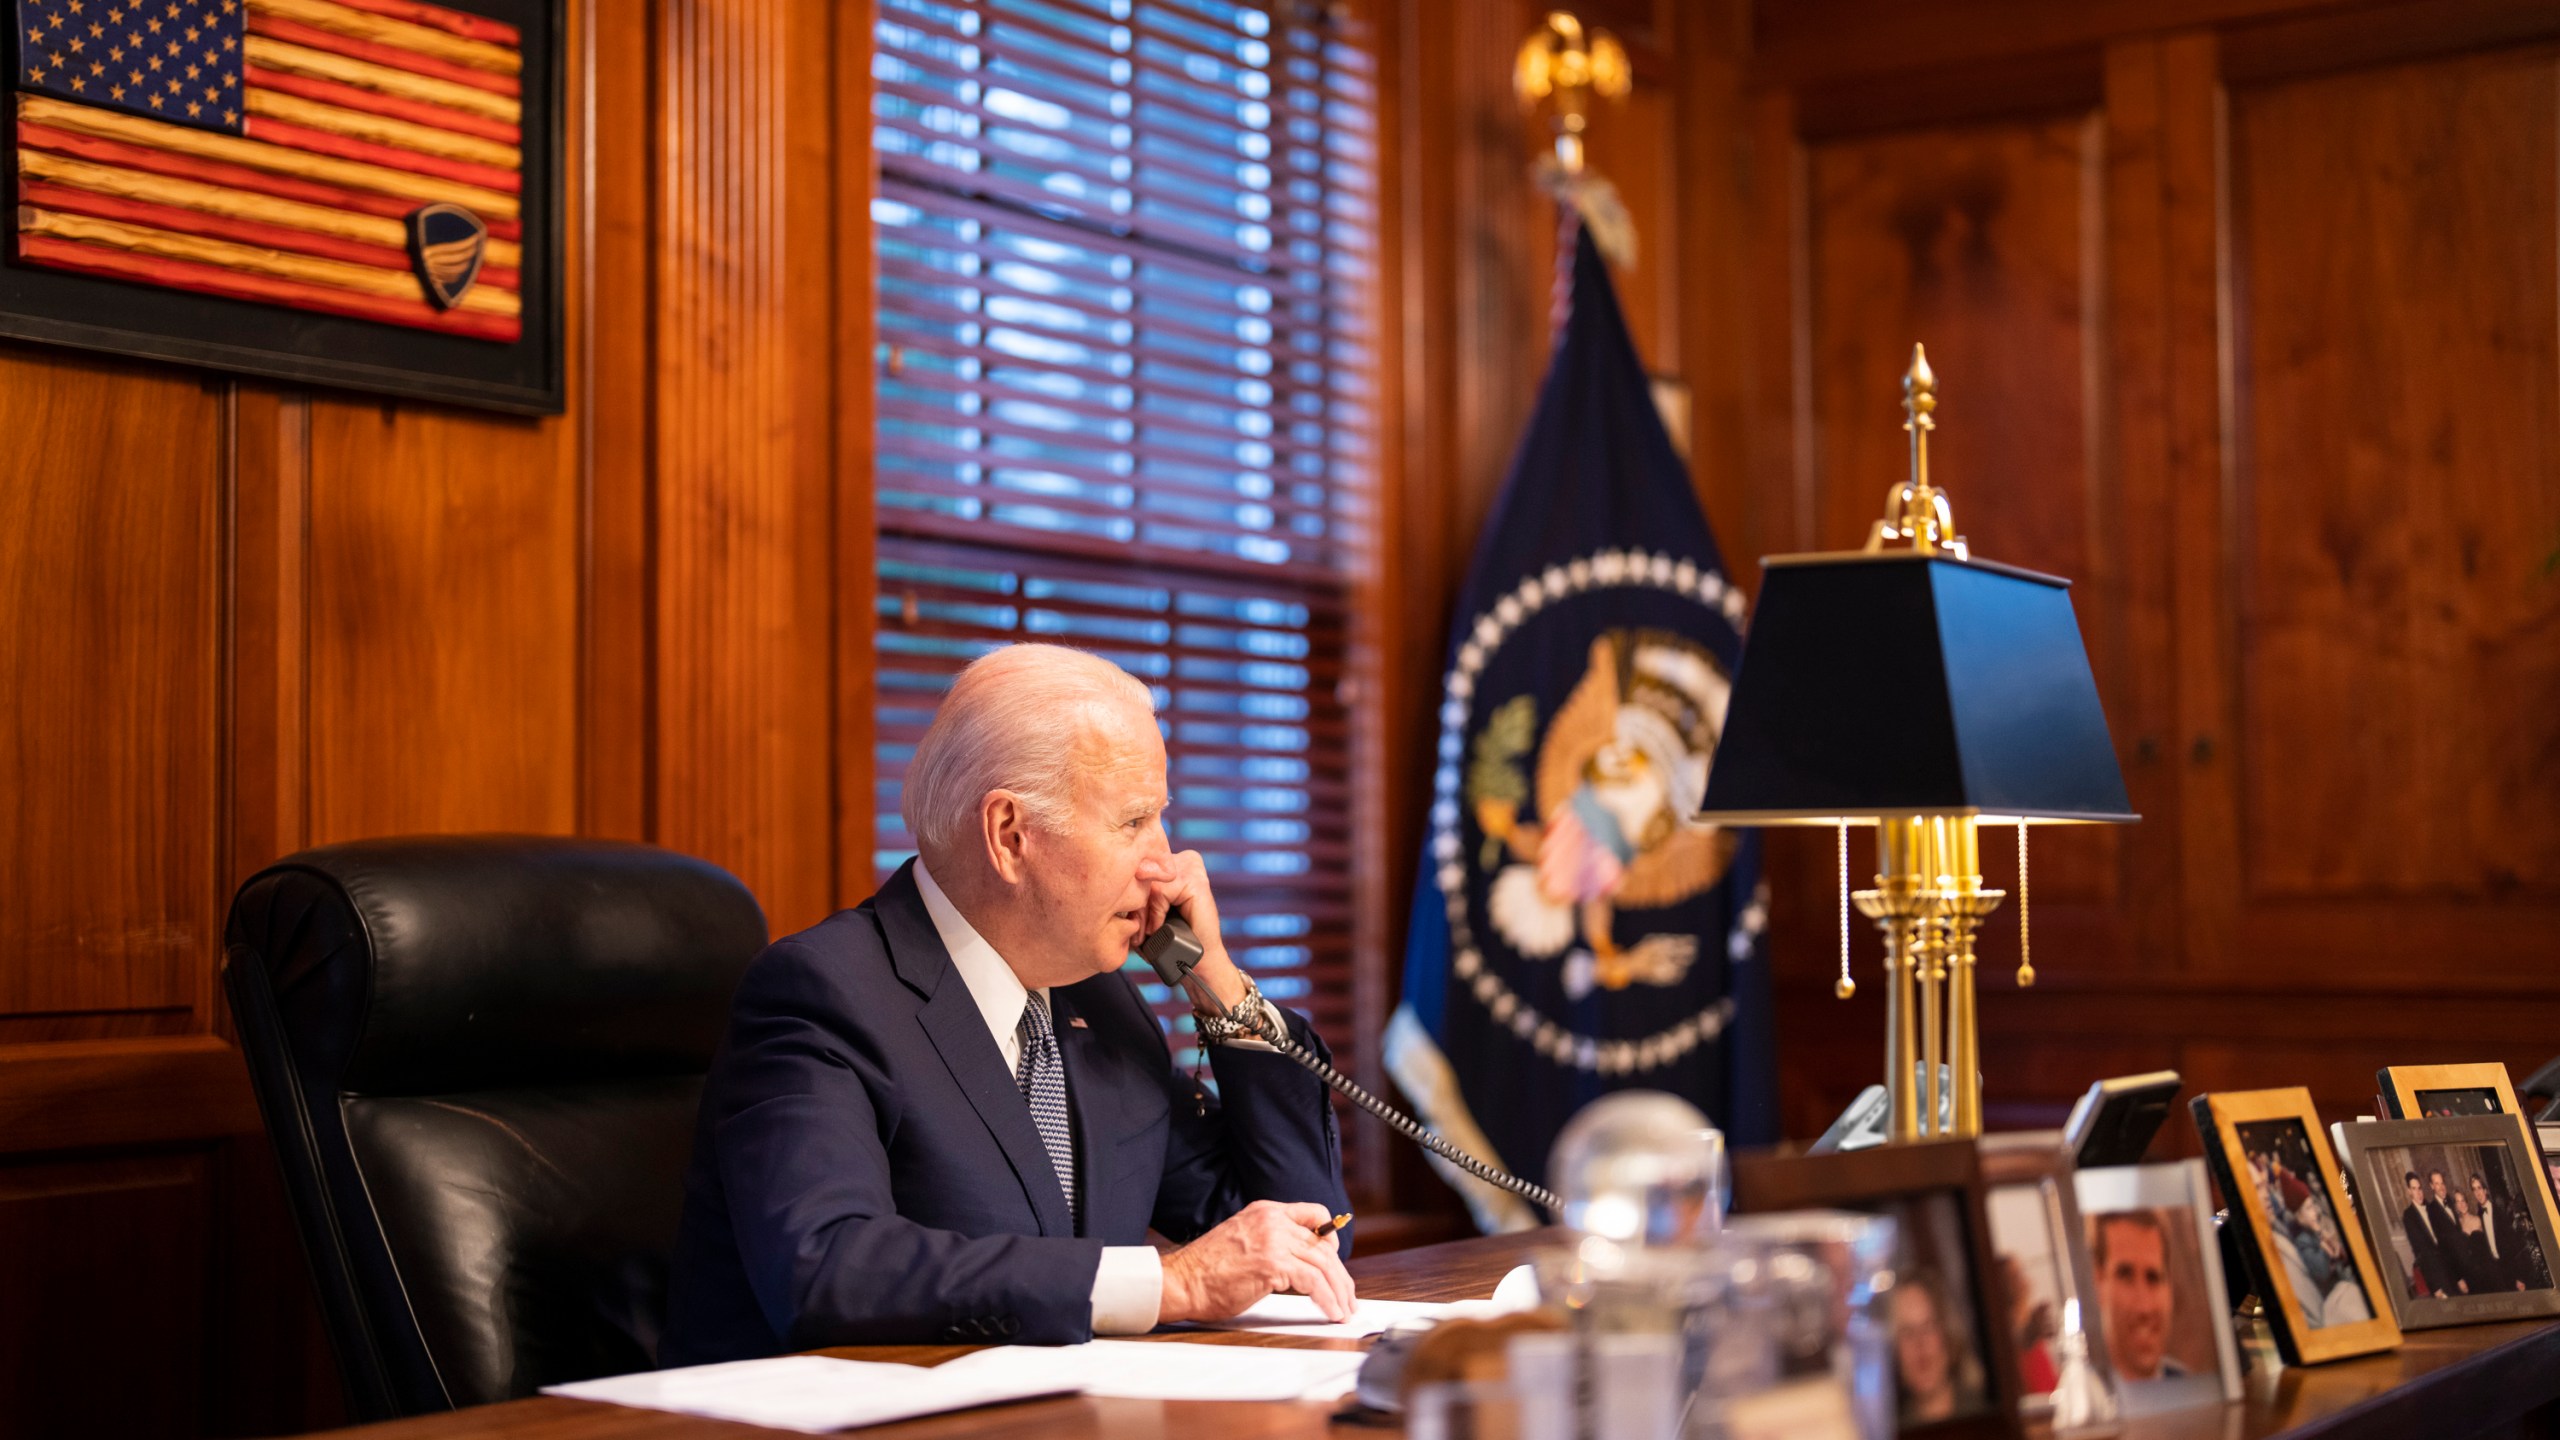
1327 1230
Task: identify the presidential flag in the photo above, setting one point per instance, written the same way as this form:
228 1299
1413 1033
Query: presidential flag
353 157
1575 931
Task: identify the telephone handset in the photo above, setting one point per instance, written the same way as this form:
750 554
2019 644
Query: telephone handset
1175 950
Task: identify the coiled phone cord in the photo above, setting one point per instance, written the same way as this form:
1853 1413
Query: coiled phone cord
1265 1026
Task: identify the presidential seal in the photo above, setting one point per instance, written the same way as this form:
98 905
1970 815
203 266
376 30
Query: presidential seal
1581 816
1619 771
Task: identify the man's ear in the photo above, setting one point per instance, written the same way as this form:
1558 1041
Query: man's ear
1005 826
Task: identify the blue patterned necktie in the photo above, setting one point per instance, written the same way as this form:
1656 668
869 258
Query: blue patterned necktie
1042 1075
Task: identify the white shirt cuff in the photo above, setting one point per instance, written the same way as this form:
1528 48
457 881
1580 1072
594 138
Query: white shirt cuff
1128 1290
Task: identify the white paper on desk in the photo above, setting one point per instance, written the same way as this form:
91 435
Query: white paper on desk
1298 1315
814 1393
1172 1370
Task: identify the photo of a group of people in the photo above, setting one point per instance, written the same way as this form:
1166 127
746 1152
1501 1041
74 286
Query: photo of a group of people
2308 1241
2463 1227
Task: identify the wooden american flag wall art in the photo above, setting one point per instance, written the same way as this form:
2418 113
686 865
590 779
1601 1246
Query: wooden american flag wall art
356 192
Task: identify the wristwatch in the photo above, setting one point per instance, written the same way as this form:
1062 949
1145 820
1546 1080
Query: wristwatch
1249 1019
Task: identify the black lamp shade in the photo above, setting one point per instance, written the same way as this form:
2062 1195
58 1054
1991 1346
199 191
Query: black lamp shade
1897 684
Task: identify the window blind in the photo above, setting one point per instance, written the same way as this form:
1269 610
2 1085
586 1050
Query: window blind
1123 403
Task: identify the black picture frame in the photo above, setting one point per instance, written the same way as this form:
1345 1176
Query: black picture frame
1881 1181
524 377
2380 1156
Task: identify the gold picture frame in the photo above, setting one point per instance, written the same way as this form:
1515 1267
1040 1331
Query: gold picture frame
2404 1088
2242 1129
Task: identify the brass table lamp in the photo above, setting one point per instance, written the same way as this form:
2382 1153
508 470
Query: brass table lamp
1918 688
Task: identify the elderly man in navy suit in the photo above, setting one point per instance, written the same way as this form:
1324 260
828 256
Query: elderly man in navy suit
946 1115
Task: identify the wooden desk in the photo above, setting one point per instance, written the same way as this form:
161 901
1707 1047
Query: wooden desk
2440 1383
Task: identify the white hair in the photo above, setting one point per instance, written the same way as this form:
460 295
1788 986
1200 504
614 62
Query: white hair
1018 719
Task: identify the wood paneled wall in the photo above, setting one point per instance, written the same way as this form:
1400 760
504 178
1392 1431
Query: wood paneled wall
2245 319
2248 319
242 619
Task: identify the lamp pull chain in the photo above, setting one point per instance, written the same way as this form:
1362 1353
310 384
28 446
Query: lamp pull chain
2026 970
1846 987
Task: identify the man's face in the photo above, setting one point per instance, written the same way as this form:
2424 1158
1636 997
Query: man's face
2436 1187
2417 1194
1082 881
2480 1193
2133 1291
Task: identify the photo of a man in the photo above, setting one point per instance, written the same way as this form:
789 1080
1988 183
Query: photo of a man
2157 1308
2440 1208
2429 1246
2152 1298
2131 1253
2514 1260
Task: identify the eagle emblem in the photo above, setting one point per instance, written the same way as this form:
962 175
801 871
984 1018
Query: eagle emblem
446 243
1619 772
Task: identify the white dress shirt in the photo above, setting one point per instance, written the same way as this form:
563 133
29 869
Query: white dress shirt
1128 1288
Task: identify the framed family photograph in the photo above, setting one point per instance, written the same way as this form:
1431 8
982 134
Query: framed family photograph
2160 1297
2309 1264
2455 1207
2548 1141
2428 1092
2043 1290
2431 1092
1954 1371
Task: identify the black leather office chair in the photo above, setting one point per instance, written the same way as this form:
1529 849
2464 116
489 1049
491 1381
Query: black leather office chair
480 1059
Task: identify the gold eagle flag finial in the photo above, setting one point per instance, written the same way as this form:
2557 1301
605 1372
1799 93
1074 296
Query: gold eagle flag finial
1915 511
1563 62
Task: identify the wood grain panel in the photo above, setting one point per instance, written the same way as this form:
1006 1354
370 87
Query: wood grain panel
1712 251
102 1261
2396 238
101 1093
610 372
270 452
2162 443
109 602
1978 241
856 521
744 516
1806 39
443 622
1637 144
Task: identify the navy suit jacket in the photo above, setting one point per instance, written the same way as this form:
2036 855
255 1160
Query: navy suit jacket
866 1171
